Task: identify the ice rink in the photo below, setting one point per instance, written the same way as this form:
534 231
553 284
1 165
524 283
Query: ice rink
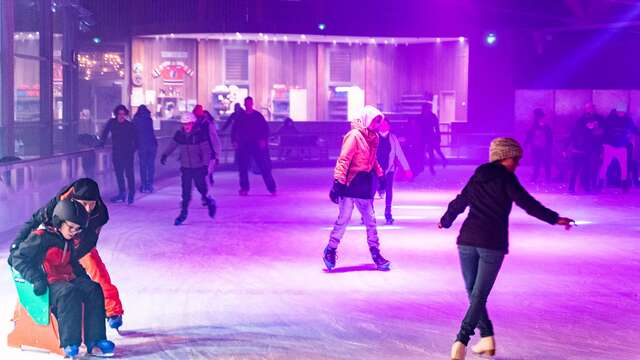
251 283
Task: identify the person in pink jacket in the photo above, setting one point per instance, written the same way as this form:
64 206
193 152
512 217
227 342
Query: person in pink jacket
353 186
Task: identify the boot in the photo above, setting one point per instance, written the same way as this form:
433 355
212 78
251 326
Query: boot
458 351
381 263
71 351
101 348
242 192
486 347
389 219
329 257
181 218
130 199
211 205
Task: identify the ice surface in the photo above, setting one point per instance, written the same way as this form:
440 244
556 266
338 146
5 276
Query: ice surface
251 285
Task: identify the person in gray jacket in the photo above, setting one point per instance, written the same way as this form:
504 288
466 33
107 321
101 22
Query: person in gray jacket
389 153
195 154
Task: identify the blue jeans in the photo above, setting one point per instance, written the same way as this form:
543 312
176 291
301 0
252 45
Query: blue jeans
480 269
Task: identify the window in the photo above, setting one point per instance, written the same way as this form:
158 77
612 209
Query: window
340 66
236 65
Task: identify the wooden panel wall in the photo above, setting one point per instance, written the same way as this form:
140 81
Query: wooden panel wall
386 72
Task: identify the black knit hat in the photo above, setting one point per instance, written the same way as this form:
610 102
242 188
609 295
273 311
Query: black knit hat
86 189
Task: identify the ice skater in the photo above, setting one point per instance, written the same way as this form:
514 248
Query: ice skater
195 154
85 192
540 140
353 184
483 241
48 260
390 152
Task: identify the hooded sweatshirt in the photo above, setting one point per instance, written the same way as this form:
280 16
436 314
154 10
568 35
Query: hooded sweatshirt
490 193
357 163
83 189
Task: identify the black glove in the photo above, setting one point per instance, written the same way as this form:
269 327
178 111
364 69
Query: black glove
382 182
40 287
163 160
100 145
337 191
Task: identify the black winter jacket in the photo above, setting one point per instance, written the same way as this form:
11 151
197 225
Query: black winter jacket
490 193
143 123
249 129
123 137
87 238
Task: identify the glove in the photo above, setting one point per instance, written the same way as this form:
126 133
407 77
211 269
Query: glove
382 182
100 145
336 191
40 287
163 160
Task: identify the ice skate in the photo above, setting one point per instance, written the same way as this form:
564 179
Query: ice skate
181 218
486 347
243 192
329 258
101 348
381 263
389 219
211 205
71 351
118 198
458 351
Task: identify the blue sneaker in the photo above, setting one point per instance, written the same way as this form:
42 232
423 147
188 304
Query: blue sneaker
329 258
115 321
71 351
101 348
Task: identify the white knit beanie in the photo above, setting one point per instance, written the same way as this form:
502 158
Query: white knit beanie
504 148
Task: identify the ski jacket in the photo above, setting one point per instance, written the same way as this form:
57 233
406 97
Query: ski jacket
359 151
195 149
46 255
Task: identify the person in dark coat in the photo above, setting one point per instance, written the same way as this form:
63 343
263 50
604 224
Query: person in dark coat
237 113
48 260
124 142
583 149
432 137
147 147
540 141
484 237
250 135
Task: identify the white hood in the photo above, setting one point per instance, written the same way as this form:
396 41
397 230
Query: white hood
366 117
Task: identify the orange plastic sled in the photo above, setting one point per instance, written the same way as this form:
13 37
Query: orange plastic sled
29 335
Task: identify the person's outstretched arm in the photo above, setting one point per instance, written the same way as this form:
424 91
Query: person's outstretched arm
528 203
456 207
